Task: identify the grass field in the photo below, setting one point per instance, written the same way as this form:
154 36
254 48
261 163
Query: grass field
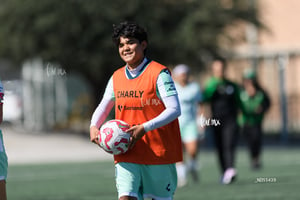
279 179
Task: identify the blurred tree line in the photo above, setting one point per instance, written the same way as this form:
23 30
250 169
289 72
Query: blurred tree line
76 34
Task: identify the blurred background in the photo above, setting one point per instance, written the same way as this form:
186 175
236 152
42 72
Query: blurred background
57 56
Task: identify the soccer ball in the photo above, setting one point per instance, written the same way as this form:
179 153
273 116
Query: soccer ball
113 138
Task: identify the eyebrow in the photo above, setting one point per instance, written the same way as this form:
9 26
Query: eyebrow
129 39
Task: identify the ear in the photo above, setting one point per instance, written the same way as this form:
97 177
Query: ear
144 44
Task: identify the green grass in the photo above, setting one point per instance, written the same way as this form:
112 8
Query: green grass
95 180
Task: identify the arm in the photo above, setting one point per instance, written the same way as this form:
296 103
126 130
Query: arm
171 112
102 111
168 94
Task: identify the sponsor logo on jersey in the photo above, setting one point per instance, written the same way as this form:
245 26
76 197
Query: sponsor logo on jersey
120 107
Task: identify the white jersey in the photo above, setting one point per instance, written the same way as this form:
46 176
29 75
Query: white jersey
189 98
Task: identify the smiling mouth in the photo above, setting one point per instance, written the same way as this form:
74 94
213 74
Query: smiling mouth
127 53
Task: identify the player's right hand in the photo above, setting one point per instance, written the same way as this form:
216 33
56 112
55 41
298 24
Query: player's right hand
94 134
137 132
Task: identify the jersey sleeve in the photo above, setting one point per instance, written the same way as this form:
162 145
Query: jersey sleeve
105 106
109 90
165 85
210 88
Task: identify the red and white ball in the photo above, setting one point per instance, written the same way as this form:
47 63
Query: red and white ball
113 138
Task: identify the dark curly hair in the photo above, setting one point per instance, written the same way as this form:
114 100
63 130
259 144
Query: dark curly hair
128 29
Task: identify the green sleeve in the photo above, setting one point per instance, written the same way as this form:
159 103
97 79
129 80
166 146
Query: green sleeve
210 88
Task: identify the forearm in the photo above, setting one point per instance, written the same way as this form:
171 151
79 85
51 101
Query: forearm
171 112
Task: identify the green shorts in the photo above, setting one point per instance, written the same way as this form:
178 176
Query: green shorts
3 160
189 132
146 181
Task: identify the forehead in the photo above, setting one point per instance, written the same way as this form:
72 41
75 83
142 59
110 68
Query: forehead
127 39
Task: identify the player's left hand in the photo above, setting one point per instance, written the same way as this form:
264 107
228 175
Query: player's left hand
137 132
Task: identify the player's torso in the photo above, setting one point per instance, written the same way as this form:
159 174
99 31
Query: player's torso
224 100
251 103
136 98
136 102
189 98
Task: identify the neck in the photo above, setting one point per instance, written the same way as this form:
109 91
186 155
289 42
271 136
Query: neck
135 65
133 72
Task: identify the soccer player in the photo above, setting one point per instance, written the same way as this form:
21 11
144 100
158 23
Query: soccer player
223 96
3 157
144 96
254 104
189 97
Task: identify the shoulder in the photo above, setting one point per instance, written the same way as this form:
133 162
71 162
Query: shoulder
158 70
165 77
156 66
211 82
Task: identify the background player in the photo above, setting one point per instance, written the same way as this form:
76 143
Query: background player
223 96
254 104
189 97
144 96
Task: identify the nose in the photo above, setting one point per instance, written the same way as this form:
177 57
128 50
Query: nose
126 47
